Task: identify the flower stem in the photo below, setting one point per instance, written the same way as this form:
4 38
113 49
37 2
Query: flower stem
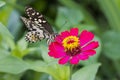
71 70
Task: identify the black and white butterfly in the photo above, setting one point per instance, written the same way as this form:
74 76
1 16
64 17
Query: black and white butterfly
38 27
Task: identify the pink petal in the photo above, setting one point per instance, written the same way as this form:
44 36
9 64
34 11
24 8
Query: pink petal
65 34
56 46
56 54
51 45
56 50
85 37
74 31
59 54
74 60
50 53
83 57
58 39
89 52
64 59
91 45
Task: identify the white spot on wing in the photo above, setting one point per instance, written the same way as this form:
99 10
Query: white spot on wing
37 13
35 19
36 22
30 18
44 21
33 13
40 16
39 24
27 12
28 9
39 20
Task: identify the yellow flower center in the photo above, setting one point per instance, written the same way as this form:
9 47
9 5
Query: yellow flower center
70 43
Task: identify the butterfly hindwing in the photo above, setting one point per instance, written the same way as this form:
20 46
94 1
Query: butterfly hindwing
31 36
34 36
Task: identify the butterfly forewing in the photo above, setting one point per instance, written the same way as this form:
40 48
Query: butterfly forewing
38 19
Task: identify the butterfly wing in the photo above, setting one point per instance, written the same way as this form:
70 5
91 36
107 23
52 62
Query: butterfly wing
38 18
35 32
38 27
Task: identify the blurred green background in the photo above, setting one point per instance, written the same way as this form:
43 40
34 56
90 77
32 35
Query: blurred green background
20 60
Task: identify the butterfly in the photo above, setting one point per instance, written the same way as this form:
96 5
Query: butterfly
38 27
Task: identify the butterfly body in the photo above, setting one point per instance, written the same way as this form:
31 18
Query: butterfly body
38 27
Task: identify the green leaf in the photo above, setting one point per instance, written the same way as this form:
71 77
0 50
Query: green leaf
44 53
69 3
21 49
4 31
3 54
86 27
5 11
14 25
52 69
65 18
2 3
86 16
86 73
112 12
22 44
28 50
111 44
13 65
5 76
6 36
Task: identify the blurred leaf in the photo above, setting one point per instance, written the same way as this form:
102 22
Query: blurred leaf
117 66
3 54
44 53
93 59
69 3
4 76
6 36
86 73
86 16
14 25
5 12
4 31
28 50
52 69
42 4
65 18
86 27
112 12
111 44
22 43
2 3
10 64
21 48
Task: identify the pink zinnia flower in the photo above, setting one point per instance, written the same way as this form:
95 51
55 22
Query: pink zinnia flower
69 47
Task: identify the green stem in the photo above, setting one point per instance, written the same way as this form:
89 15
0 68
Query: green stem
71 70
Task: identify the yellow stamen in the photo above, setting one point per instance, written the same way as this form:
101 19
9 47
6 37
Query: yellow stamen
70 42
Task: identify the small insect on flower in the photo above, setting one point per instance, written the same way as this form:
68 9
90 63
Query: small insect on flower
69 47
38 27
